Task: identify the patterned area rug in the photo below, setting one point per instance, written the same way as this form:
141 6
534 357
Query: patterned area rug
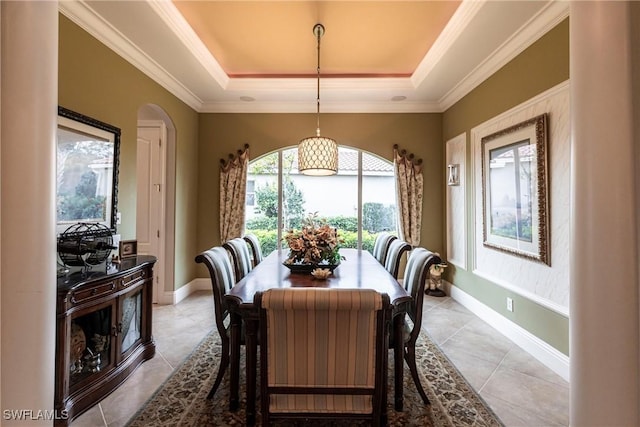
181 400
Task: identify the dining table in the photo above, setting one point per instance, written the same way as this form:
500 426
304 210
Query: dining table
358 269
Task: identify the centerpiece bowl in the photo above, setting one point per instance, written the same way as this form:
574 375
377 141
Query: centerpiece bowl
309 268
315 246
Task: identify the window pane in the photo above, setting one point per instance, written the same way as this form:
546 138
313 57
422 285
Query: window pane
378 199
261 218
511 189
334 198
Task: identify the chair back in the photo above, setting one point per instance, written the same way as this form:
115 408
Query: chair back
396 249
256 250
416 274
323 353
241 256
222 276
381 246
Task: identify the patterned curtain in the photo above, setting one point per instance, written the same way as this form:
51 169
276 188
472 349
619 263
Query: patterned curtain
233 189
409 186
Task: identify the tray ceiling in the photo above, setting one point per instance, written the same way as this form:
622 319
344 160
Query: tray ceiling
260 56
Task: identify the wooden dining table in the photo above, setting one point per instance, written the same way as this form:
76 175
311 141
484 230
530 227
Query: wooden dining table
358 270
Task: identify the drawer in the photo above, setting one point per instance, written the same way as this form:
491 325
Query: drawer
83 295
133 278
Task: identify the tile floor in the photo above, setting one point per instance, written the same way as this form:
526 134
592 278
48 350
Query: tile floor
521 390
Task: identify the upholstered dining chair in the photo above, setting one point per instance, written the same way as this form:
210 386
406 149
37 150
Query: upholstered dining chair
222 280
397 248
416 274
312 366
381 245
241 256
254 244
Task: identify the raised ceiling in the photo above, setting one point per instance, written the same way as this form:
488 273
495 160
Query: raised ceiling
275 39
260 56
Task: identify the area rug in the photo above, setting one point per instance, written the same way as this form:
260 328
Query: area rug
181 400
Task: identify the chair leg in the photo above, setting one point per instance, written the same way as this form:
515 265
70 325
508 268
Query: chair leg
224 363
410 357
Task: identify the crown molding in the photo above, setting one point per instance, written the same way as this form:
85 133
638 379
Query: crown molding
82 14
176 22
327 107
547 18
459 21
86 18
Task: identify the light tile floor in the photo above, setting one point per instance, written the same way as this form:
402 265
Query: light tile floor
521 390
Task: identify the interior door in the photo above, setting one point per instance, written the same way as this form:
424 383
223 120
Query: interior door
150 199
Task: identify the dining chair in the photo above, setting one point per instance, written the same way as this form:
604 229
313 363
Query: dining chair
381 245
241 256
222 280
314 367
416 274
397 248
256 250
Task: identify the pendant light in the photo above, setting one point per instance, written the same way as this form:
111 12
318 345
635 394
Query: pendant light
318 155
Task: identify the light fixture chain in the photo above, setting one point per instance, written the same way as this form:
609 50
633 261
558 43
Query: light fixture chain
318 30
318 156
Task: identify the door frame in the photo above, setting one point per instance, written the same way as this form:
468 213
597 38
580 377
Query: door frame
160 267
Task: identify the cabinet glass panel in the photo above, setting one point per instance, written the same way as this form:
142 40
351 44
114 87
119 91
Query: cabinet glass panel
90 344
131 320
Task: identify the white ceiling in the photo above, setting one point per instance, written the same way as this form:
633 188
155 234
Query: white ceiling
154 36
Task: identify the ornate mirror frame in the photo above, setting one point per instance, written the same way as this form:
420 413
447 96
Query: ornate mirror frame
87 162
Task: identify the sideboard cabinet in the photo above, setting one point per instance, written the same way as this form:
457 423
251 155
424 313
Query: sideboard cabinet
103 332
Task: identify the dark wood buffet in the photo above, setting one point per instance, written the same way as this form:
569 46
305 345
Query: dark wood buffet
103 331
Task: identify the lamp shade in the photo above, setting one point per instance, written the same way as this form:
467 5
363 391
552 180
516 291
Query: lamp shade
317 155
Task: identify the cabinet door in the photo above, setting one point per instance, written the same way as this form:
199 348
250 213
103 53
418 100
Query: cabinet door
91 348
131 320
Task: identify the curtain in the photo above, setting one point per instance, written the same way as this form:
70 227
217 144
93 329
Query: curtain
233 189
409 187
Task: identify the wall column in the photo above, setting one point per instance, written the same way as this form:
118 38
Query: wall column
29 98
604 330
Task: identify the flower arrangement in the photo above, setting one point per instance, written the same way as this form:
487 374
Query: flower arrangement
316 243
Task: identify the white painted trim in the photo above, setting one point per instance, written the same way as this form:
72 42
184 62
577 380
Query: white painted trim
555 360
169 13
160 278
476 135
288 106
155 123
550 16
553 306
478 130
454 28
462 263
174 297
83 15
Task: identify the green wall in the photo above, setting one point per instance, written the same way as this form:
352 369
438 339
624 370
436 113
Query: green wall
95 81
222 134
540 67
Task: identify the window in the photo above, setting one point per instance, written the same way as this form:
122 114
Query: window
360 200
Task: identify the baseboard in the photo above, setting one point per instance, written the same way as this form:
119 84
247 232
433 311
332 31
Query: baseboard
174 297
555 360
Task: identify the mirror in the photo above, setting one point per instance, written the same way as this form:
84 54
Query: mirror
86 171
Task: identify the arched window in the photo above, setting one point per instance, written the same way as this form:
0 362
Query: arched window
360 200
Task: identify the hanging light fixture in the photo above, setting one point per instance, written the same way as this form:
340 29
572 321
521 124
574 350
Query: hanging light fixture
318 155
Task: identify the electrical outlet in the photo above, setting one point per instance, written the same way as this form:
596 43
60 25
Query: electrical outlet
118 218
509 304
